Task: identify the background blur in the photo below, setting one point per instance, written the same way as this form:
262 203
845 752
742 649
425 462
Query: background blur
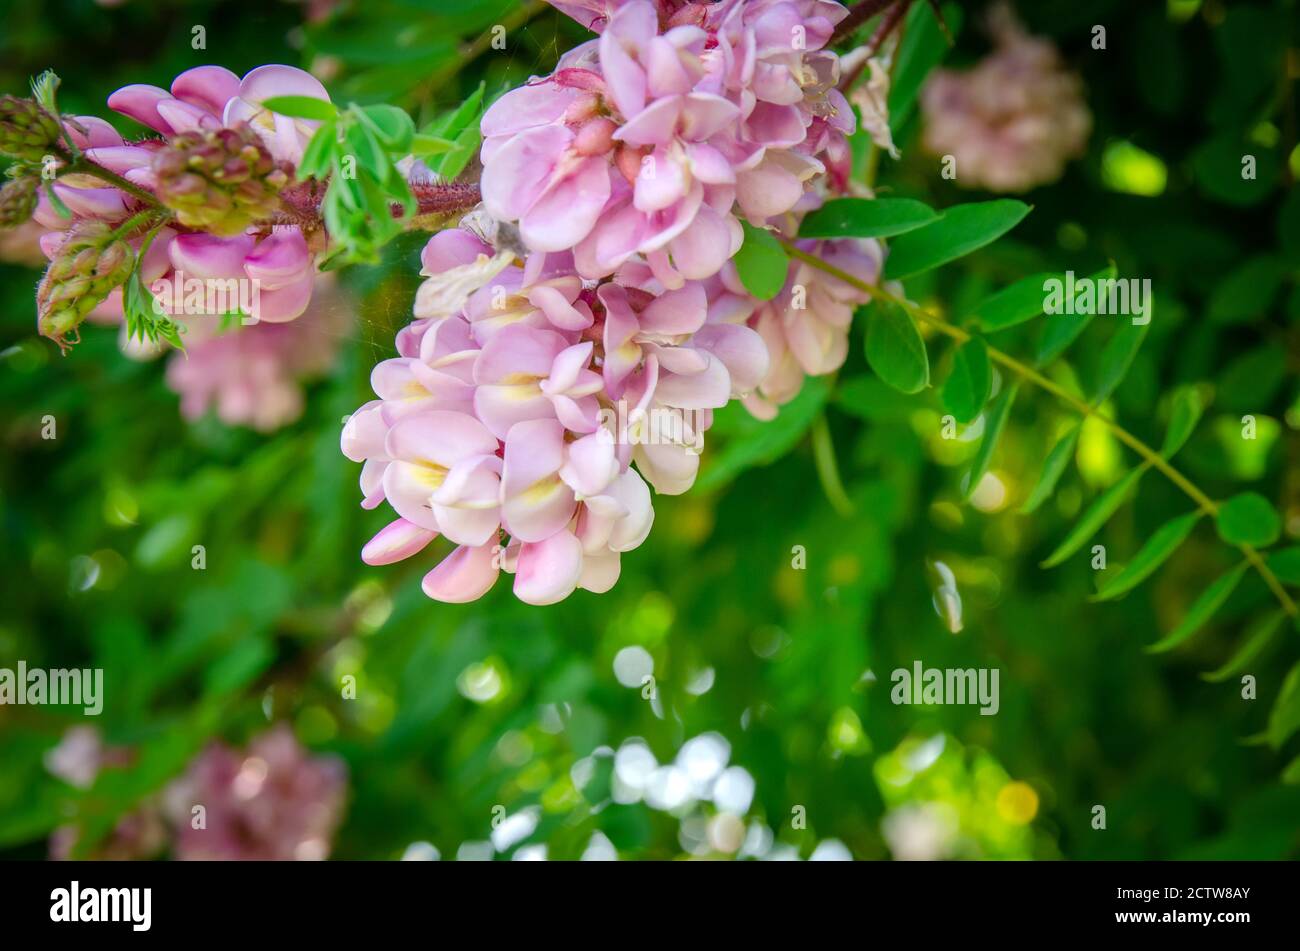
767 729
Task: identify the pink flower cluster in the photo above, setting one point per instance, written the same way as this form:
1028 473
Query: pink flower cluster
203 98
649 140
498 416
1014 120
535 375
274 802
78 760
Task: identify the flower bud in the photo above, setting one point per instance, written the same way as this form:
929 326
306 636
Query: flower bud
219 181
26 130
89 264
17 201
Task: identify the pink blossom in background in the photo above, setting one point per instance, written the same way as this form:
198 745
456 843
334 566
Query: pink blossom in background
1014 120
202 98
78 760
272 802
253 375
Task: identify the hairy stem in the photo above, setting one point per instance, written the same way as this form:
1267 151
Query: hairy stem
1028 373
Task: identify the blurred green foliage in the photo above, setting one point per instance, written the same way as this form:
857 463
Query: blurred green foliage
772 618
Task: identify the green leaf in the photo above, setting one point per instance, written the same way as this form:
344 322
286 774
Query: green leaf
1284 718
456 158
748 442
369 153
1094 517
1285 563
1013 305
1183 417
866 218
994 422
450 124
1061 330
1116 357
1249 519
1202 608
422 145
895 350
318 156
1053 469
1291 775
968 385
391 125
1151 556
960 231
1257 639
302 107
762 263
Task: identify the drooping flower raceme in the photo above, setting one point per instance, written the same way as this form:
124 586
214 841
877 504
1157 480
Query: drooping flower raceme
272 802
222 162
554 376
655 139
1013 121
253 376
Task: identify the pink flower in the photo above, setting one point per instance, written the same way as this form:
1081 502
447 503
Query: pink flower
1014 120
210 97
489 431
645 143
78 760
279 260
274 802
806 327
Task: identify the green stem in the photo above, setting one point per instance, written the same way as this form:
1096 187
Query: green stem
83 166
1149 455
827 470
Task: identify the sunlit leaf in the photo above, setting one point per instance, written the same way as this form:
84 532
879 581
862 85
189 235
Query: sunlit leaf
302 107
